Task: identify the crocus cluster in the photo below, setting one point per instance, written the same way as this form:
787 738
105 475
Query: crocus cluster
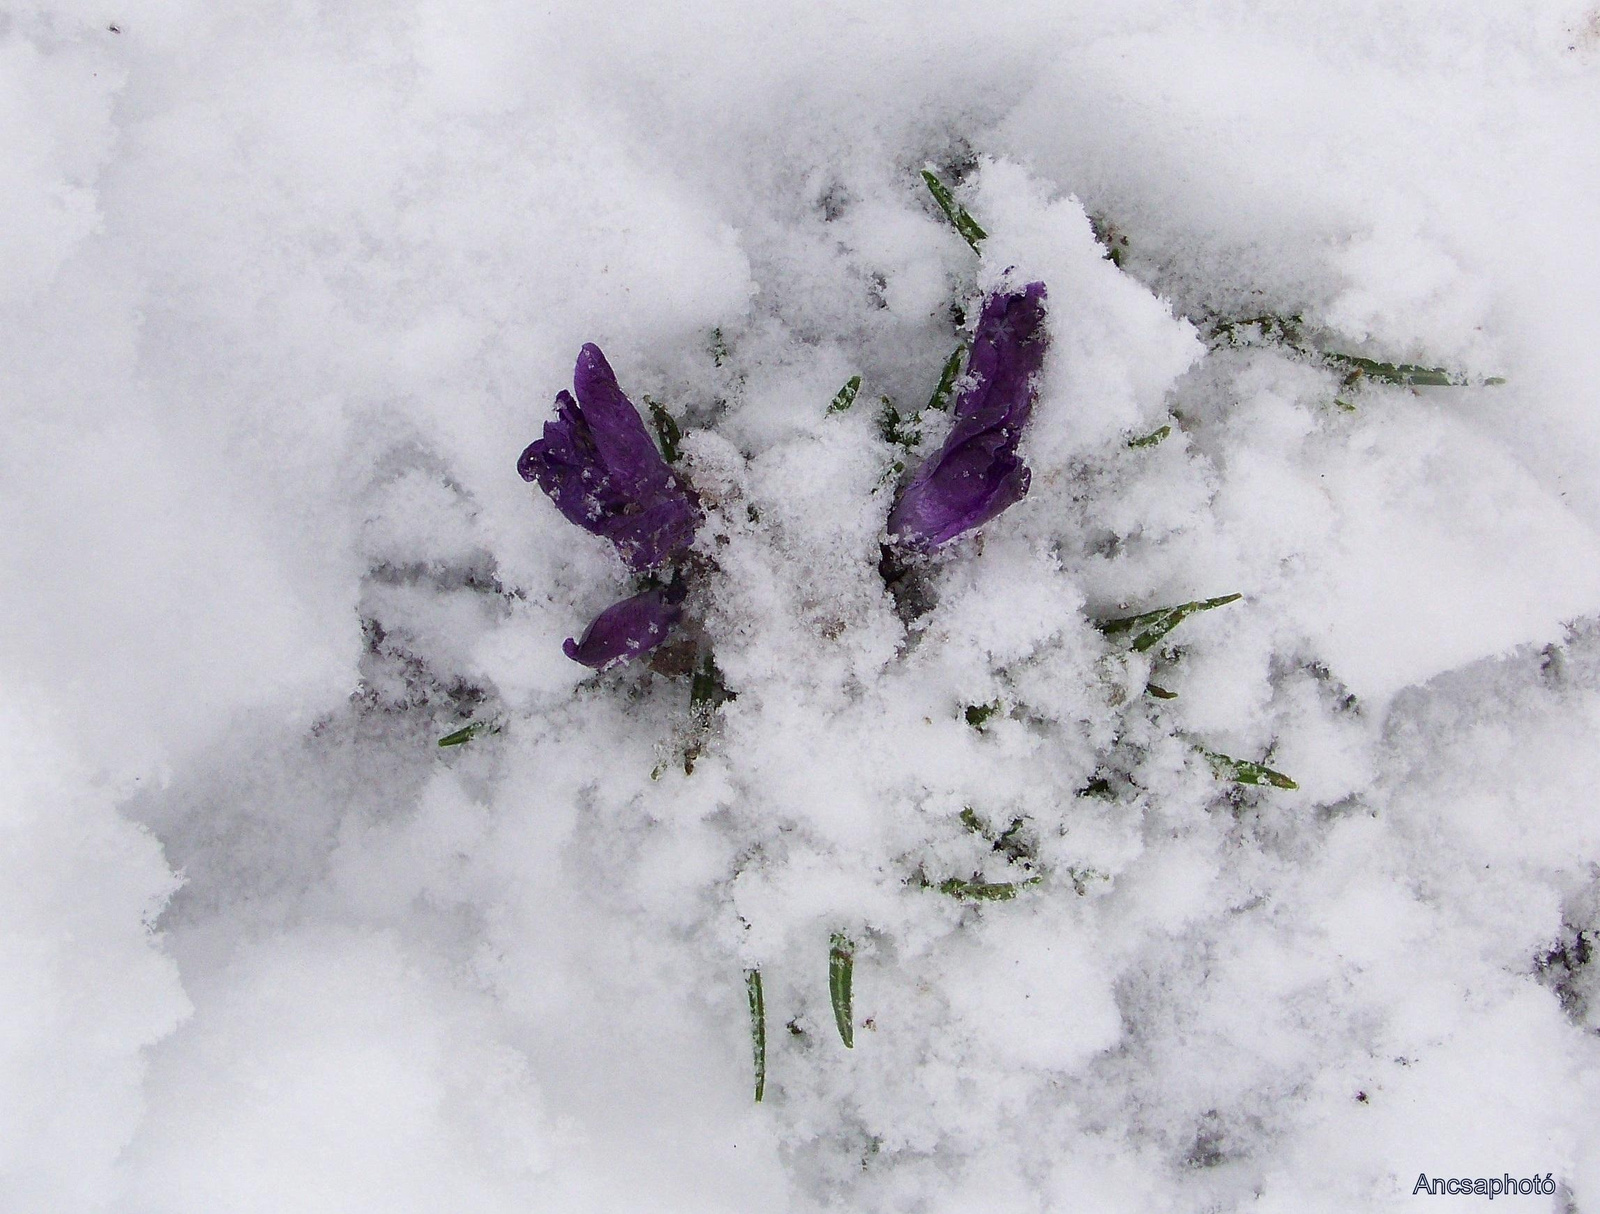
978 472
597 463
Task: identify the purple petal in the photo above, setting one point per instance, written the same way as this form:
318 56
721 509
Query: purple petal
1008 348
977 473
596 462
625 630
624 445
964 493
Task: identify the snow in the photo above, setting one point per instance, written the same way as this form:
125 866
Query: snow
287 286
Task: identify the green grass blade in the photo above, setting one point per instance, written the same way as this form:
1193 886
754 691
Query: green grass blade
984 891
841 967
1243 771
667 431
940 399
758 1029
954 211
846 395
1150 626
462 736
1394 373
1151 439
1286 331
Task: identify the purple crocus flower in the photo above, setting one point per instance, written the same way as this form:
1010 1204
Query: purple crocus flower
978 473
625 630
597 464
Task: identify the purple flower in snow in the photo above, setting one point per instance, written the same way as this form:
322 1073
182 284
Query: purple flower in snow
978 473
625 630
597 464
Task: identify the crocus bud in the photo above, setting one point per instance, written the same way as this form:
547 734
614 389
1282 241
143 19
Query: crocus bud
597 464
978 473
625 630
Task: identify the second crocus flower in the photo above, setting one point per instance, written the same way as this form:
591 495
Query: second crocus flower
978 472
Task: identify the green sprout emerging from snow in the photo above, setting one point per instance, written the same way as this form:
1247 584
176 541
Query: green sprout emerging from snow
940 400
841 967
758 1029
903 430
1150 626
846 396
668 436
1243 771
464 735
1151 439
984 891
954 211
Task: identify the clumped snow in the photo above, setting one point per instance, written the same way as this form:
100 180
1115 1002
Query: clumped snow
288 286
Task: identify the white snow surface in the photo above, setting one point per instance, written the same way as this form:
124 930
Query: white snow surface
285 288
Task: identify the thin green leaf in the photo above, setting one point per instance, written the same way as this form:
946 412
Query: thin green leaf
1160 693
758 1029
1394 373
1286 331
1151 439
1243 771
940 399
462 736
1150 626
841 966
954 211
984 891
718 347
846 395
667 431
